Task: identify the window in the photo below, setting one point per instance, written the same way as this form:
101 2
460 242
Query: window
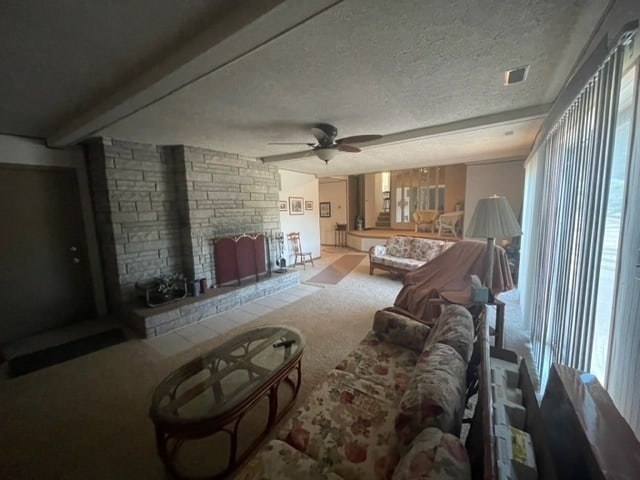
418 189
612 225
574 191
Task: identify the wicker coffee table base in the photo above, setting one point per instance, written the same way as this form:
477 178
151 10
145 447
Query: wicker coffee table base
229 423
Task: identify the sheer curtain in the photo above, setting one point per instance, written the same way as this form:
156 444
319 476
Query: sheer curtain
567 191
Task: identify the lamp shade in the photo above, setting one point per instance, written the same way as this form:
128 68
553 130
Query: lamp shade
493 218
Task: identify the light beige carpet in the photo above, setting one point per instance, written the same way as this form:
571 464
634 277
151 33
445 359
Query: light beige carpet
88 418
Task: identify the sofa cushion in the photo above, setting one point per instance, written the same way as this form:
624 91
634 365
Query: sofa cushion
454 327
396 328
399 263
399 246
347 425
435 395
279 460
424 249
386 364
434 455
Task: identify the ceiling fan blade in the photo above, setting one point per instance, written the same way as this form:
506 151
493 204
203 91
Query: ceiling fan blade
291 143
358 139
320 135
348 148
288 156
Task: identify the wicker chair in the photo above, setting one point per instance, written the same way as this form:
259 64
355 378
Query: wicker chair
450 223
424 219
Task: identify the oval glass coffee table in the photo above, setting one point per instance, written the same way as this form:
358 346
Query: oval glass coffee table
213 392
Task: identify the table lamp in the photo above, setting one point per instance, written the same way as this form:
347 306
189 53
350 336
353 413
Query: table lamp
492 218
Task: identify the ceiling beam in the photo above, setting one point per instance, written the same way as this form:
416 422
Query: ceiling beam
230 38
469 124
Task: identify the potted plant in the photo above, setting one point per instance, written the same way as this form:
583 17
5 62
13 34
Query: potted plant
169 285
163 289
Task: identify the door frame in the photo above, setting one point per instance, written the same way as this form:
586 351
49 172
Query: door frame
33 152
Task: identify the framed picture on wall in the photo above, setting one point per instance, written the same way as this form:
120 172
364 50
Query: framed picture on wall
296 206
308 205
325 209
283 205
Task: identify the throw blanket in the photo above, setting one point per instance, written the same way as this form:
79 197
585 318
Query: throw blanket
450 272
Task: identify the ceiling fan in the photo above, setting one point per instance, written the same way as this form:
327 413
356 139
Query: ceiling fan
327 146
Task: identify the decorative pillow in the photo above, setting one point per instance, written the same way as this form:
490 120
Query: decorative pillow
378 251
435 395
434 455
396 328
454 327
399 246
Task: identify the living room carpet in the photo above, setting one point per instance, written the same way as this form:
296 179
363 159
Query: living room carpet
88 405
33 361
339 269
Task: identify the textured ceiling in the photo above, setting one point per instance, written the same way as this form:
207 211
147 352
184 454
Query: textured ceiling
385 68
58 57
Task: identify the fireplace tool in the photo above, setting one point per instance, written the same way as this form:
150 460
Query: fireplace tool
281 262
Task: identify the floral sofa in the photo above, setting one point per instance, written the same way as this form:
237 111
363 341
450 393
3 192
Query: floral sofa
405 254
391 410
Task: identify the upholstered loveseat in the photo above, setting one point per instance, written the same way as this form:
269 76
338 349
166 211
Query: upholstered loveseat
392 409
404 254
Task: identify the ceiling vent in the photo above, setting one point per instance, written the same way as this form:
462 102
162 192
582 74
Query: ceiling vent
516 75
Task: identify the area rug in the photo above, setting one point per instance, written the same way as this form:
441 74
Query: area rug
33 361
337 270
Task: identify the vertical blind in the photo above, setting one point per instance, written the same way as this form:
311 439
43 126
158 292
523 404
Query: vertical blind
564 222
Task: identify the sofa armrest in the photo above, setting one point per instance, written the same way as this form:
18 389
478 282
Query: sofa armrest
445 454
404 313
400 330
377 251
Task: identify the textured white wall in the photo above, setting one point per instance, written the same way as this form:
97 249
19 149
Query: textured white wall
336 194
506 179
293 184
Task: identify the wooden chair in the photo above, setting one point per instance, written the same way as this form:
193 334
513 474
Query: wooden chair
295 245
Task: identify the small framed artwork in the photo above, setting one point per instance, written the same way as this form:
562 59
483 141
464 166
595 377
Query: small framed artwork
325 209
283 205
296 206
308 205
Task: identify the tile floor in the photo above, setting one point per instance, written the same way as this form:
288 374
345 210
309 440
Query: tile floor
186 337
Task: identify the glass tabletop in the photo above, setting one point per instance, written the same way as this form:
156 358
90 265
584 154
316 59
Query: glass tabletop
218 380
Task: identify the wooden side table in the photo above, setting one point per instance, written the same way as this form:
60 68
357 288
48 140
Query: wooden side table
341 235
464 298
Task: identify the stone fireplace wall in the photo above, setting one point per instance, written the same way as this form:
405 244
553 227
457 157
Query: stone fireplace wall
221 195
158 209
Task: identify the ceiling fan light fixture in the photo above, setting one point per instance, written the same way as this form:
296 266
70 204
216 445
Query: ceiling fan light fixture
325 154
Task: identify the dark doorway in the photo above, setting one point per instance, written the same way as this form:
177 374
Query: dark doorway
45 278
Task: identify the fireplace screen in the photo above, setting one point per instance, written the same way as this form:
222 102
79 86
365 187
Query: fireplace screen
240 258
